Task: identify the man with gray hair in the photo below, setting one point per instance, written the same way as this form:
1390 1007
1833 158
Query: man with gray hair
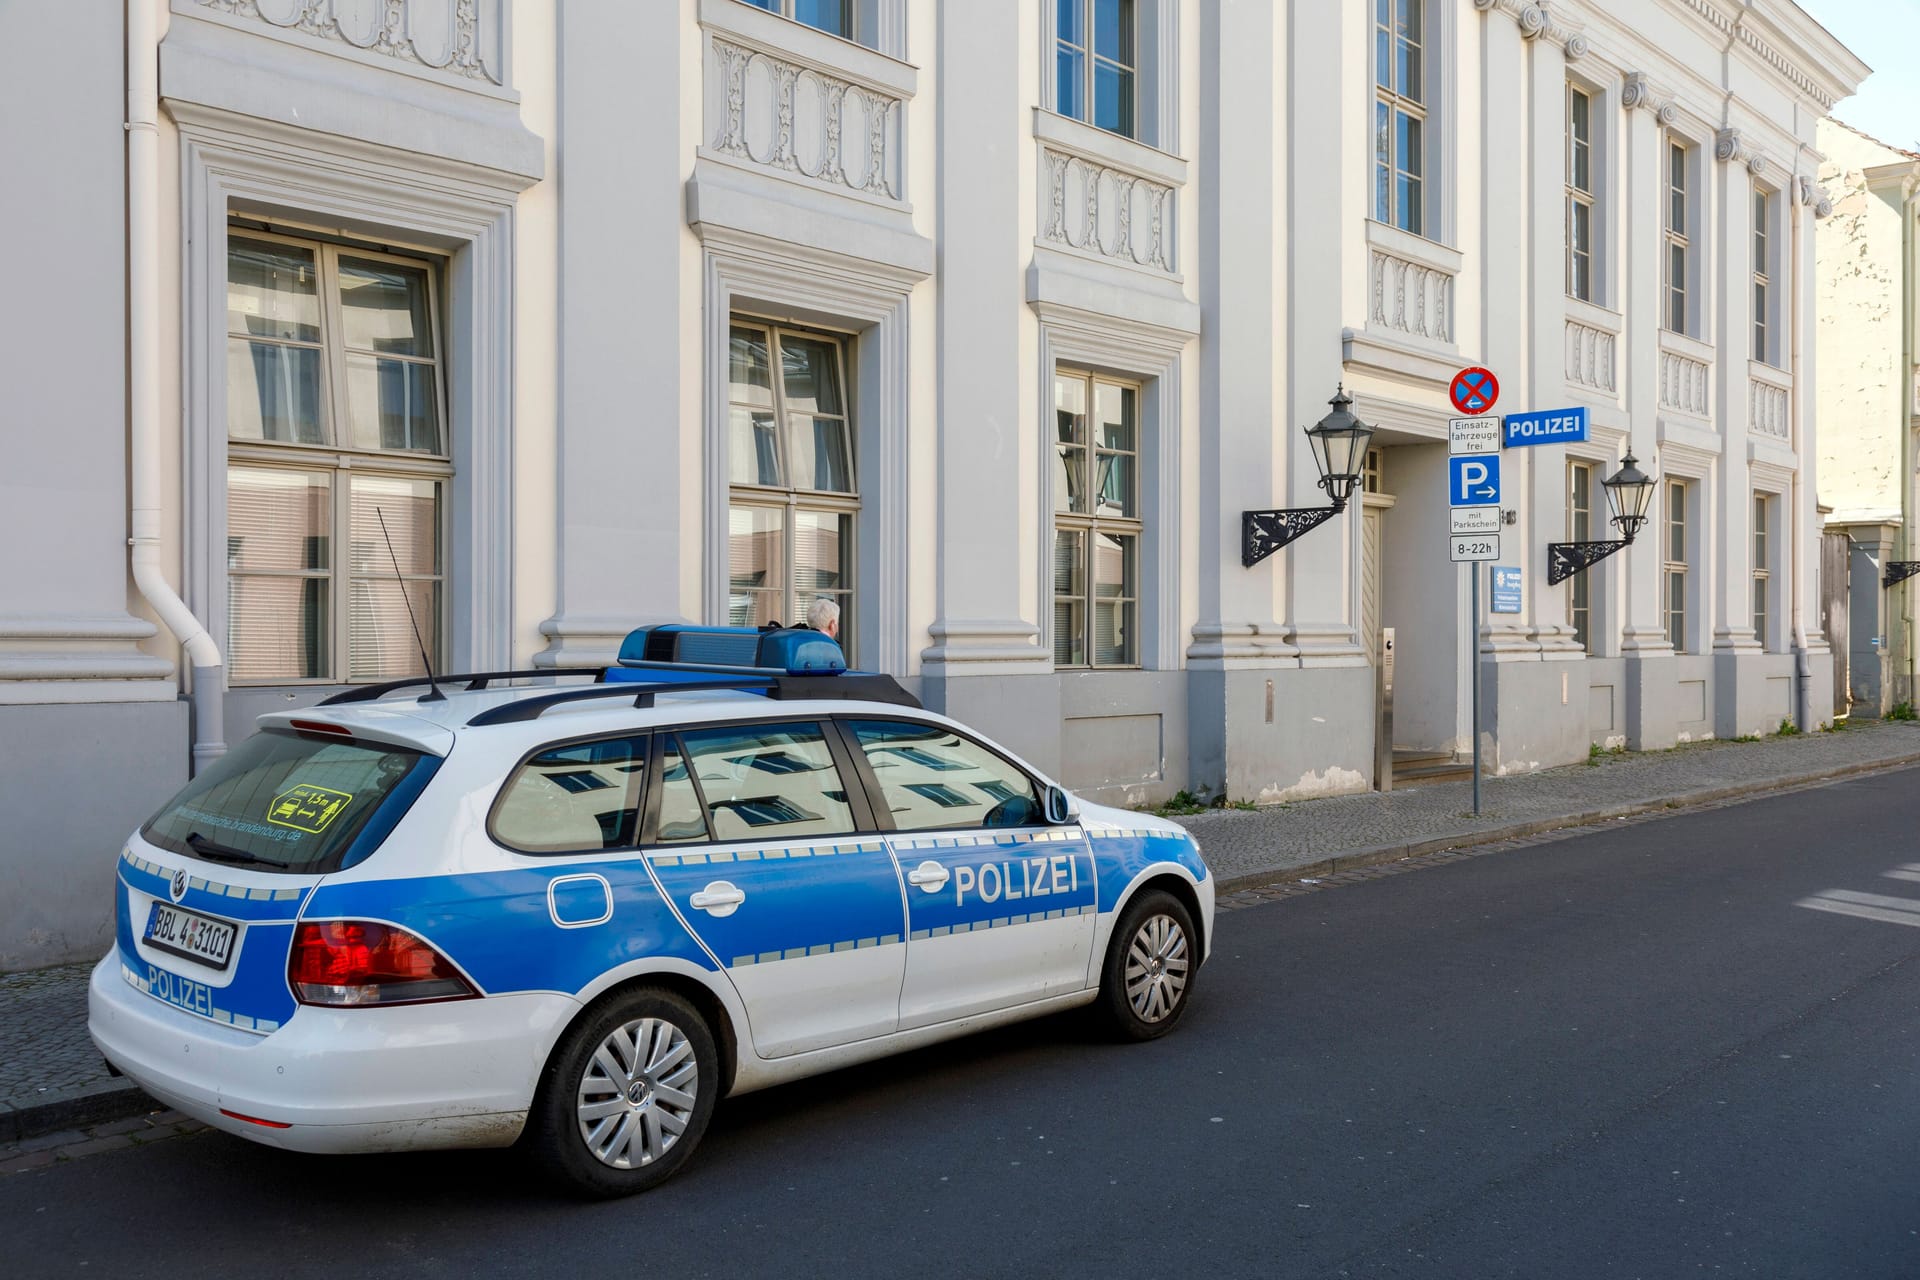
824 616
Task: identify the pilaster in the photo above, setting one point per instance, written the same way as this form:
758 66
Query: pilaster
1730 606
986 481
1648 714
619 529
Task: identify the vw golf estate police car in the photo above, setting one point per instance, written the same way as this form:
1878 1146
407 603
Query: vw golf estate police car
577 914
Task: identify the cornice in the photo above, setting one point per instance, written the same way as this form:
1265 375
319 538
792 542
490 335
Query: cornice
1740 29
1810 61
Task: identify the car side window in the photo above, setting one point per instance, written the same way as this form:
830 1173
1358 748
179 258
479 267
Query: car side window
765 782
579 795
932 778
682 820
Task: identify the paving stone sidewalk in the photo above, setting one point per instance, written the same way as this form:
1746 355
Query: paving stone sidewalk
51 1077
1342 832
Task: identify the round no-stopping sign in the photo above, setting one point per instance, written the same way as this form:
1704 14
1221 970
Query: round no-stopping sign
1474 391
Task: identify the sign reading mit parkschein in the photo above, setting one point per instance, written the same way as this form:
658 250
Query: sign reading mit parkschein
1546 426
1473 520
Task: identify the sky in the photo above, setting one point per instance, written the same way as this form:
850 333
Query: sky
1883 34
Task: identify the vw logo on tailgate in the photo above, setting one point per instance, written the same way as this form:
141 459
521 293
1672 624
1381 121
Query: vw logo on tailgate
178 889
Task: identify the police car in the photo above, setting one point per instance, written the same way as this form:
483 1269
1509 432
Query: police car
576 914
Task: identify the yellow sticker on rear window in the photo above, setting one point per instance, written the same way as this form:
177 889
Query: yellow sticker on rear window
308 808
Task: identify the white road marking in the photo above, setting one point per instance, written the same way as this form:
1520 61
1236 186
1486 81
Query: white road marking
1909 872
1868 906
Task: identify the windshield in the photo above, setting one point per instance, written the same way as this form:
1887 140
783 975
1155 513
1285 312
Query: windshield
284 801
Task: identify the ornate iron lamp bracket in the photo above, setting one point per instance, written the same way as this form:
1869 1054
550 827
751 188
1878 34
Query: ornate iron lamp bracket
1264 532
1898 571
1564 559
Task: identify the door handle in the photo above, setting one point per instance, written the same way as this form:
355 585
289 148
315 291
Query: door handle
929 875
718 899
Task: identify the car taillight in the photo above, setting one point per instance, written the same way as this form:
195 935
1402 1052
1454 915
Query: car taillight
351 963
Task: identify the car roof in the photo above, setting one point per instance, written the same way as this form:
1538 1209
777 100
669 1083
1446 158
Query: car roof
433 725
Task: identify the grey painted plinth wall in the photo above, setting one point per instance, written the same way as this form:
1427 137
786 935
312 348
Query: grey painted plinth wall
1533 715
75 780
1318 739
1116 737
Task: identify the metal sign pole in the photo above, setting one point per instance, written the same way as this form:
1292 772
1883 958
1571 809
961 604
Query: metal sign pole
1473 652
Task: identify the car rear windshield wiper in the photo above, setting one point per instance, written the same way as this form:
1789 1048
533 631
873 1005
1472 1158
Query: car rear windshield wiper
217 852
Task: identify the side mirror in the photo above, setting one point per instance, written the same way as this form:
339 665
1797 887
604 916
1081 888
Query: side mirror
1060 810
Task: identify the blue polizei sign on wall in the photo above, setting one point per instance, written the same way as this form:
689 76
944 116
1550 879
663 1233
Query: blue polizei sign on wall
1546 426
1473 479
1506 589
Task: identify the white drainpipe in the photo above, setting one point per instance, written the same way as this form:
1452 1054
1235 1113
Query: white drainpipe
143 377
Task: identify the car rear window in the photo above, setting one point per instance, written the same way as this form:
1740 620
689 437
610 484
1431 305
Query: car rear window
285 801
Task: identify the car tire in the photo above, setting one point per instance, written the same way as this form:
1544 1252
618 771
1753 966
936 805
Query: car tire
1146 981
626 1095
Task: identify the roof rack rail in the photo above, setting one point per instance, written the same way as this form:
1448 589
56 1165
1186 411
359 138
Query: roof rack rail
476 680
772 682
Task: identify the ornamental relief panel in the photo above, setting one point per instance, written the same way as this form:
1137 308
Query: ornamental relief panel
458 37
1100 209
770 110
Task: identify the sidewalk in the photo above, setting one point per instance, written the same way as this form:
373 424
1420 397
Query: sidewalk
52 1078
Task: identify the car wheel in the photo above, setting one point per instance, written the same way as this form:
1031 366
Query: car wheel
1147 979
626 1095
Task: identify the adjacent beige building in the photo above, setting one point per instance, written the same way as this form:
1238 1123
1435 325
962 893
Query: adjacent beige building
1868 291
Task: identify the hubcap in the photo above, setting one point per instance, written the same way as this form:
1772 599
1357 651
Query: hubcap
1156 972
636 1096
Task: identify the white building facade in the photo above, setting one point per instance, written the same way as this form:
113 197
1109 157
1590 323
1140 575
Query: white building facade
987 321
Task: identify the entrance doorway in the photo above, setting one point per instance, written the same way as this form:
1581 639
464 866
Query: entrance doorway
1407 584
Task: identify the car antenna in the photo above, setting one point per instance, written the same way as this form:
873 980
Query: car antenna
433 693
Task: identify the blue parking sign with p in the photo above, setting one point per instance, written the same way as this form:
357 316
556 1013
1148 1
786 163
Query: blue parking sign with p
1473 480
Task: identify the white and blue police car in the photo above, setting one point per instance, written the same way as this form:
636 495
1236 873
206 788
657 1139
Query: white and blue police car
574 915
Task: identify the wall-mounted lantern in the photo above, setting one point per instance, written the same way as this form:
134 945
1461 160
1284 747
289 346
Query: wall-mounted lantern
1898 571
1629 494
1340 450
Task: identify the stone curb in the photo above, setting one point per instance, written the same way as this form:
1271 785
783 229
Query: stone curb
95 1102
1375 855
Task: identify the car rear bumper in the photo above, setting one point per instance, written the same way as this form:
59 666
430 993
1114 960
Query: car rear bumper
455 1074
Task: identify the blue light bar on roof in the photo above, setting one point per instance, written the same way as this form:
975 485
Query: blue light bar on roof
792 651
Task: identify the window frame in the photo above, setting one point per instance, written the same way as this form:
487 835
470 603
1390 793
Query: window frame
1580 608
1582 199
1134 28
1090 524
859 19
790 499
1677 569
1680 154
882 814
1391 101
1761 536
1764 241
859 800
341 461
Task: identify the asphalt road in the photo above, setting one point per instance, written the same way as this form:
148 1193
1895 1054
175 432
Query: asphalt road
1631 1053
